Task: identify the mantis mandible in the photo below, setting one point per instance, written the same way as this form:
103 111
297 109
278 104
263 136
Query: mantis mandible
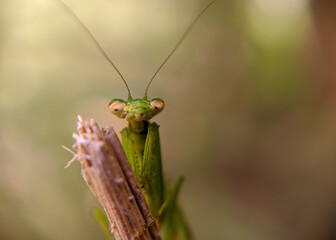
141 142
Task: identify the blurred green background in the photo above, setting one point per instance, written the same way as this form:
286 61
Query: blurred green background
249 119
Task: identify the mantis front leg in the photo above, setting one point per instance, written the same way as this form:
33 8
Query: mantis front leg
162 199
144 154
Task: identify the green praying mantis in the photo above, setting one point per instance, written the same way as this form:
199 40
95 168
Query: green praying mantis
141 142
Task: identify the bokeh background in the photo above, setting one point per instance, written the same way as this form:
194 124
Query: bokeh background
249 119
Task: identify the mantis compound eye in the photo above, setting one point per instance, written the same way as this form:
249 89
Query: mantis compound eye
117 107
157 105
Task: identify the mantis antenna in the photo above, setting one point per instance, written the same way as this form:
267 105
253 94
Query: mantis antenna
94 40
184 35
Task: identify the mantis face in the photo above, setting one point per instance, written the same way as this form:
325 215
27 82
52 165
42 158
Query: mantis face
137 109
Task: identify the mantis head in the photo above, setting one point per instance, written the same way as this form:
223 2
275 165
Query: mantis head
143 109
137 109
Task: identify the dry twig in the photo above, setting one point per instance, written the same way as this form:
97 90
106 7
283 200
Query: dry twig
108 173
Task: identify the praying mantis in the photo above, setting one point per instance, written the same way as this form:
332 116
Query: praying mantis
141 142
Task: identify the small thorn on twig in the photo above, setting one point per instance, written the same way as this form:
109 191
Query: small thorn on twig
74 156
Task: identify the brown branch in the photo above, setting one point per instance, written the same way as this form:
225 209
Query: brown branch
108 173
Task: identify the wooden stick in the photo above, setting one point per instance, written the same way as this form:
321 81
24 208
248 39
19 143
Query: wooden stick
107 172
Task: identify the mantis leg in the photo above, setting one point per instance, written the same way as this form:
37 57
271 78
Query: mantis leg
128 147
146 163
174 224
152 170
161 199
